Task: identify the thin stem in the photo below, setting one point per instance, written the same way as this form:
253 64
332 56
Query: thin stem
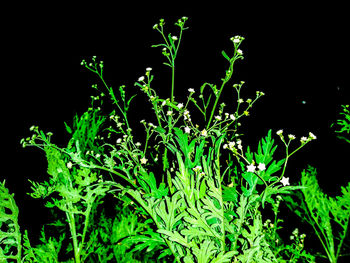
224 81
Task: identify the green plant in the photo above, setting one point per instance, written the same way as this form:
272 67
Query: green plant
328 216
200 194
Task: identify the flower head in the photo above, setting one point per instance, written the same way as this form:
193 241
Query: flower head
312 136
261 166
251 168
291 136
143 160
285 181
187 130
204 133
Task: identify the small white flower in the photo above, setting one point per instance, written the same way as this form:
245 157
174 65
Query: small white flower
239 52
218 118
303 139
231 145
279 132
291 136
141 78
143 160
232 117
174 38
251 168
191 90
197 168
285 181
98 155
138 144
163 103
187 115
312 136
187 130
236 40
119 140
261 166
69 165
240 101
225 146
169 113
180 105
204 133
148 69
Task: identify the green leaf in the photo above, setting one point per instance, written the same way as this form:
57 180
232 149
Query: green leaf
225 55
68 129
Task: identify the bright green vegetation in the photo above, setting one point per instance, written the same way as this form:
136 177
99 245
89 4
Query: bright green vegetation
189 192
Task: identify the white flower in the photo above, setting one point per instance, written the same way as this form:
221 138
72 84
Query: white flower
204 132
225 146
187 115
312 136
261 166
174 38
236 40
148 69
279 132
285 181
141 78
239 144
232 117
197 168
169 113
69 165
143 160
240 101
180 105
138 144
303 139
191 90
239 52
291 136
251 168
187 130
231 145
218 118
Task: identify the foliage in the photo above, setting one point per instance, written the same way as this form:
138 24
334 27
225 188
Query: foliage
328 216
10 234
190 192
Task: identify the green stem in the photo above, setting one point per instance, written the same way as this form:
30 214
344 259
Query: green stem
172 81
71 221
342 239
224 81
86 224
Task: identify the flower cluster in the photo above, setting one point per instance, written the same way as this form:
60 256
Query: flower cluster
291 137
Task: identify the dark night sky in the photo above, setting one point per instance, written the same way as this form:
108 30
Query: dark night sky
292 54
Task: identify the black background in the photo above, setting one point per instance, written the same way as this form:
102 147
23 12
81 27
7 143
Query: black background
292 53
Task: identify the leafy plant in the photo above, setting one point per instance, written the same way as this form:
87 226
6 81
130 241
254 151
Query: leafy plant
328 216
10 234
190 192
